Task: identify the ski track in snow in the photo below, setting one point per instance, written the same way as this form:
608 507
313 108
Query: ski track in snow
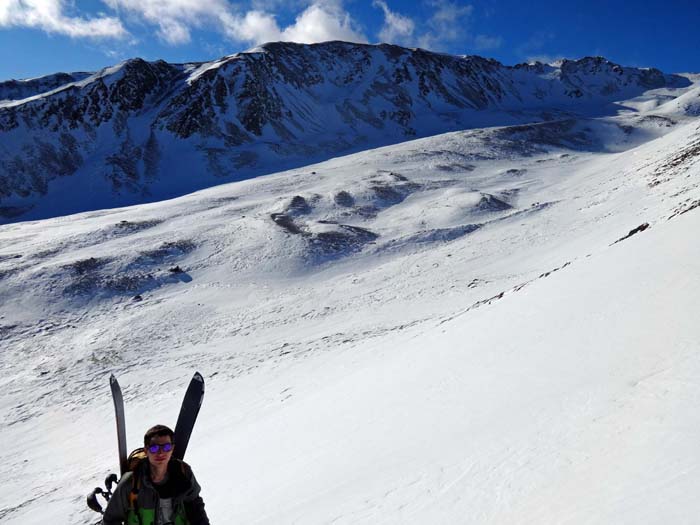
405 335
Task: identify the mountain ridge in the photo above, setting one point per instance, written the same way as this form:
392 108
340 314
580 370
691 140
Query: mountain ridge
142 131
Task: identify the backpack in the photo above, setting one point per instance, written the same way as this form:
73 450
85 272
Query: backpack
136 458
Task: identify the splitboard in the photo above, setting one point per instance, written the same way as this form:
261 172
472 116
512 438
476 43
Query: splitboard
188 415
121 424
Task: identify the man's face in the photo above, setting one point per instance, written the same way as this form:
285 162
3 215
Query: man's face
160 457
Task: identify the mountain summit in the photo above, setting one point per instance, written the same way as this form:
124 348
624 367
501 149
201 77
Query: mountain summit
143 131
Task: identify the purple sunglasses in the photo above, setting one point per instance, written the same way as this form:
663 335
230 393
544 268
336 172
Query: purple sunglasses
165 447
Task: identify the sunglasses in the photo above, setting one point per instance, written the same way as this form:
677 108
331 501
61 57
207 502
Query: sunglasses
165 447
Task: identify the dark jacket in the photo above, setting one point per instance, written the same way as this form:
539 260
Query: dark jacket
181 486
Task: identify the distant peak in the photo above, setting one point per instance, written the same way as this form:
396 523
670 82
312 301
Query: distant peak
591 64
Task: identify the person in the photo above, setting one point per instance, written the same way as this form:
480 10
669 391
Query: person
159 491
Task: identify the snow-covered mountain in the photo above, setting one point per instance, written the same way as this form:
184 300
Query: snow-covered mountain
493 325
140 131
20 89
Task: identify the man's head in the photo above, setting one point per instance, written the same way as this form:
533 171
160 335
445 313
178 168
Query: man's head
159 444
158 431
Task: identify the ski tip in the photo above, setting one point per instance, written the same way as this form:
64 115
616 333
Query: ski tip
112 378
198 377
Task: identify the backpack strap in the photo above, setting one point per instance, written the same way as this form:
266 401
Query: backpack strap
134 495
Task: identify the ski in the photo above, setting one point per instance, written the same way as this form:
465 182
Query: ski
121 424
188 414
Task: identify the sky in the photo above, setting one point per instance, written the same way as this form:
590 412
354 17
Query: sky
39 37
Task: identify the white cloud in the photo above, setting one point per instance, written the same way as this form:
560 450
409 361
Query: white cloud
451 23
49 16
321 22
397 28
255 27
485 42
448 24
448 16
174 18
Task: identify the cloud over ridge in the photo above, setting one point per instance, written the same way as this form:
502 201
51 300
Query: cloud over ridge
397 28
322 20
174 20
254 22
50 16
319 22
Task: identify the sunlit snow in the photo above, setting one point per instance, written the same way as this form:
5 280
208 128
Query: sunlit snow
440 331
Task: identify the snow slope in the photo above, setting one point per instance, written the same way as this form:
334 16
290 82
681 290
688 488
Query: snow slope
566 403
441 331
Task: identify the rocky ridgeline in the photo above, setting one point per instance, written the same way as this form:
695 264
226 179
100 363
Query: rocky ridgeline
20 89
125 128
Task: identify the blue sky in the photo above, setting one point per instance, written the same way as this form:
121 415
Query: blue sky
43 36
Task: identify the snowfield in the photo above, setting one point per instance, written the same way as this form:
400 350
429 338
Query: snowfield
441 331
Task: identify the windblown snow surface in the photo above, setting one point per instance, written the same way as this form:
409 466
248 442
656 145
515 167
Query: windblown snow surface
441 331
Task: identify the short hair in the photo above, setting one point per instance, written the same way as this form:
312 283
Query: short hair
158 430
